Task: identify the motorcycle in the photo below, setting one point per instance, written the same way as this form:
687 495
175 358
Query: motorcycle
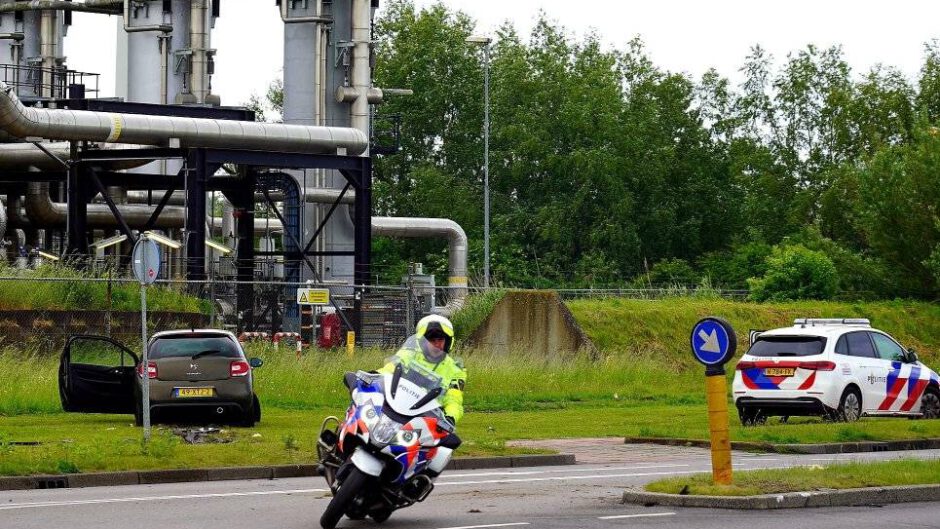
394 441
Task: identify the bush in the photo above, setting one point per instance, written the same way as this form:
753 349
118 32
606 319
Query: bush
795 272
668 273
732 269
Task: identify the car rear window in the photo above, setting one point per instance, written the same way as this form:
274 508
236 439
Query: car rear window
787 346
189 345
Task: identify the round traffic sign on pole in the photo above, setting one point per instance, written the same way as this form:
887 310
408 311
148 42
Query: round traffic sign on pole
713 342
146 261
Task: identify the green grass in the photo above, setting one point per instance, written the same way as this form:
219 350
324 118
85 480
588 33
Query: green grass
64 288
645 384
476 308
778 481
659 330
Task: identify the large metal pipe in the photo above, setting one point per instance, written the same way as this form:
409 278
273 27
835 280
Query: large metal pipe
56 124
456 252
42 211
314 195
23 156
198 43
361 68
48 48
106 7
3 225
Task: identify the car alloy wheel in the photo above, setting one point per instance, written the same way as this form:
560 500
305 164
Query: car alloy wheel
850 408
930 404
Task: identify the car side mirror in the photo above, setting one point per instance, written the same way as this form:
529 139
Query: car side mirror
255 362
912 356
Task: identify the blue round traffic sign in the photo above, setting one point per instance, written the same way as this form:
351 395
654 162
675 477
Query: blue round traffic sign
713 341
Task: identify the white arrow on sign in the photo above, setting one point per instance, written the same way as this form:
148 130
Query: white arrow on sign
711 341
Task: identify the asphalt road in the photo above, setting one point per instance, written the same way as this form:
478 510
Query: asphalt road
577 496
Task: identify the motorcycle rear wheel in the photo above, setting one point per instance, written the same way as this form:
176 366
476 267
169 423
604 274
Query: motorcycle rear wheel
343 498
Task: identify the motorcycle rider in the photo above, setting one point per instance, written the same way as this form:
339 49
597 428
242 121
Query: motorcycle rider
432 353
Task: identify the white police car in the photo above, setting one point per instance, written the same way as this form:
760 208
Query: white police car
838 368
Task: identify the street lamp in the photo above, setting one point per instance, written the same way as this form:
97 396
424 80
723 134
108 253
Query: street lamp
485 41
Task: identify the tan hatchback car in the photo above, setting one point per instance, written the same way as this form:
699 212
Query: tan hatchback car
200 374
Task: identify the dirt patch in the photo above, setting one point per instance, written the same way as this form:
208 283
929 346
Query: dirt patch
535 321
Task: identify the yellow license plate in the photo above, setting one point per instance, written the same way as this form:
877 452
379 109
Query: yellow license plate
779 371
185 393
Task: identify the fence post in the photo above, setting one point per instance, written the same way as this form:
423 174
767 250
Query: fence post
107 315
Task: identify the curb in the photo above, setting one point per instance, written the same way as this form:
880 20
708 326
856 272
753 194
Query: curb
791 500
148 477
823 448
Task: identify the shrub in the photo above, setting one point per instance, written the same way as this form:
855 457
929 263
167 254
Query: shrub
795 272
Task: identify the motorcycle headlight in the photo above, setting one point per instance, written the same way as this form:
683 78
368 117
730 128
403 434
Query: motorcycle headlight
406 437
385 430
370 417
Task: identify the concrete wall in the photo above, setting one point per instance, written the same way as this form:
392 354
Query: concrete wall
538 322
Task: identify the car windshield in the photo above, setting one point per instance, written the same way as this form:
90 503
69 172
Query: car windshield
193 345
787 346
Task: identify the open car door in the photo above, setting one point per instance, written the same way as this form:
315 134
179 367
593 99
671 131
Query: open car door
96 375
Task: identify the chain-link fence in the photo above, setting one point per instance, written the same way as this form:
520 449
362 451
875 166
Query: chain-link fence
47 310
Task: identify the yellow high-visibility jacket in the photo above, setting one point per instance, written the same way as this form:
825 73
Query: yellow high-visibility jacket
449 369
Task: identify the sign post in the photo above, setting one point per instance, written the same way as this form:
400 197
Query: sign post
146 259
713 344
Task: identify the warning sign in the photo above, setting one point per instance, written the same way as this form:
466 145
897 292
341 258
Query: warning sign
313 296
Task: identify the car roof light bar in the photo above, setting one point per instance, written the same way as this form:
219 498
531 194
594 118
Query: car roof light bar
832 321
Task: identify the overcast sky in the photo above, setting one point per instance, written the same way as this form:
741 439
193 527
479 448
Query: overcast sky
681 35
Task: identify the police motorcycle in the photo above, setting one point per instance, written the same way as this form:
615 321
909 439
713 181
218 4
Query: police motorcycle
394 441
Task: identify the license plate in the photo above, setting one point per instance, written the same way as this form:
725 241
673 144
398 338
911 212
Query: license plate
779 371
187 393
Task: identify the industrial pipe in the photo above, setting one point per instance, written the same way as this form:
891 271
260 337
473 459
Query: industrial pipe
315 195
3 224
43 211
104 7
198 42
456 252
57 124
361 68
48 51
23 156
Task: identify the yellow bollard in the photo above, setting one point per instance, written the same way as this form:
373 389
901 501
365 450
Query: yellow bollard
350 343
716 392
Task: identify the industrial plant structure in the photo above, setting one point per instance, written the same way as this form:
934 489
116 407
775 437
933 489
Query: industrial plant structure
77 169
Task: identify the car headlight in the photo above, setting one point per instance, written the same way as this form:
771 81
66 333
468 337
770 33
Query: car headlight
384 431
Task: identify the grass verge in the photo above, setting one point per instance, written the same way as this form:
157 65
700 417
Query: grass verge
93 443
809 478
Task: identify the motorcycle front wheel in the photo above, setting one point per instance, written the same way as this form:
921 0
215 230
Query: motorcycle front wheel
343 498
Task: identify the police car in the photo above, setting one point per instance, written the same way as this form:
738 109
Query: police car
840 369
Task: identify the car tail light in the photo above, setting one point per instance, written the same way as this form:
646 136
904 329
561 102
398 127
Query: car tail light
822 365
745 365
151 370
239 368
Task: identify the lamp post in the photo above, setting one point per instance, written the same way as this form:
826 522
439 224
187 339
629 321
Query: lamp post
485 42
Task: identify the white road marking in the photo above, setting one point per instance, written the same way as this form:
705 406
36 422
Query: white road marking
648 515
532 472
152 498
491 525
563 478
